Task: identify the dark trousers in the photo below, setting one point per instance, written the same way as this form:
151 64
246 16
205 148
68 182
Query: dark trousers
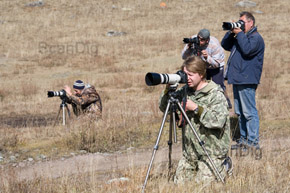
217 75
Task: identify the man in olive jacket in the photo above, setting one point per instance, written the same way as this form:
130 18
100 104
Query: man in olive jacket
206 107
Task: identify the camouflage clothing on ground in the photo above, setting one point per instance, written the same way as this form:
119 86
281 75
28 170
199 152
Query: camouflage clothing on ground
211 123
198 169
89 102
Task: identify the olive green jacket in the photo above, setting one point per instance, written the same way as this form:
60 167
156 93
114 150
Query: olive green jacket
211 121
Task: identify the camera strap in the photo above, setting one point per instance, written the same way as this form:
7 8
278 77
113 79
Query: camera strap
182 120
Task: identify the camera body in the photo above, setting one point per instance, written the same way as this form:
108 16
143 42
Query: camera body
153 79
194 41
232 25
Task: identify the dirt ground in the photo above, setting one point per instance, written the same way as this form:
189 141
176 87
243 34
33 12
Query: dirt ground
104 164
18 121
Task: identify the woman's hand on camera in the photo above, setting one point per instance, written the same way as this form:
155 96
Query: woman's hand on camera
190 105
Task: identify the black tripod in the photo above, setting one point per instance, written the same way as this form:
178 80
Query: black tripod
173 104
63 106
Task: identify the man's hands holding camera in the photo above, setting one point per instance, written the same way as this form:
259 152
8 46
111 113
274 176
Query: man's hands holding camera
67 90
204 53
236 30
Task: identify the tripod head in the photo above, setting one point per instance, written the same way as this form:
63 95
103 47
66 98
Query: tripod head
173 95
63 103
64 99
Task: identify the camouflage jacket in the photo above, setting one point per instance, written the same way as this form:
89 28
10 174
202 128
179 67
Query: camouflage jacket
211 122
88 102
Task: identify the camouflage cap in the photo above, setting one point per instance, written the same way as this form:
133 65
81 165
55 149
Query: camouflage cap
204 33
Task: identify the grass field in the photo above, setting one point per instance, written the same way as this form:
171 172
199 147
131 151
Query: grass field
44 48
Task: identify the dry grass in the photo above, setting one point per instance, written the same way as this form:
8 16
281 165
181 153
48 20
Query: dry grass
44 48
270 174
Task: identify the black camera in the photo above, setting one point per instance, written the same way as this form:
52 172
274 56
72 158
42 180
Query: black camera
194 40
196 48
232 25
153 79
60 93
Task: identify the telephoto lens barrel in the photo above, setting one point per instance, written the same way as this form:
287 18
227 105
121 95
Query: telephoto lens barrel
232 25
56 93
153 79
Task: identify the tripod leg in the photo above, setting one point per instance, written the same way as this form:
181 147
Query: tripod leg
170 144
68 114
68 111
156 146
174 126
63 114
57 117
201 143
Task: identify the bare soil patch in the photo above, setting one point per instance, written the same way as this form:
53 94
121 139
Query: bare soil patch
18 121
98 162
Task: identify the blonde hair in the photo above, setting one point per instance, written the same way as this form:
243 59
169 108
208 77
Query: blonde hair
196 65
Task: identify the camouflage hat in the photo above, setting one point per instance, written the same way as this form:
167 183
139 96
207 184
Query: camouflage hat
79 85
204 33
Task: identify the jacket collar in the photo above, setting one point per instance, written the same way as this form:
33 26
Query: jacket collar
254 29
211 85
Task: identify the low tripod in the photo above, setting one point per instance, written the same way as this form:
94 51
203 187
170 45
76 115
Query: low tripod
63 107
173 104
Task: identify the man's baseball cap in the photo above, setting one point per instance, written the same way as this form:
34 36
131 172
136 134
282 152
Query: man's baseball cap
204 33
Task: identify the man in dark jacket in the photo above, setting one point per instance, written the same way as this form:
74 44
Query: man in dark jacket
85 101
244 69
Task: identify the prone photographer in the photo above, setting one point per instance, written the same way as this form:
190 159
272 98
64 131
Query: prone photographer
244 69
210 51
206 107
85 100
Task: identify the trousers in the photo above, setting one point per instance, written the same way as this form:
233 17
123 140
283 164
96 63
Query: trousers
245 108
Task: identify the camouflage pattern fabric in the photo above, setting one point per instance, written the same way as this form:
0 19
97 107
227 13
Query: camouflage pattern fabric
212 124
88 103
198 170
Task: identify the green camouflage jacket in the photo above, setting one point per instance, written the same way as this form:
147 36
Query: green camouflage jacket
88 102
211 122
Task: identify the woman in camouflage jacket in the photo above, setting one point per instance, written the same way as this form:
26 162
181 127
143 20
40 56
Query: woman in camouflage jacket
206 108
